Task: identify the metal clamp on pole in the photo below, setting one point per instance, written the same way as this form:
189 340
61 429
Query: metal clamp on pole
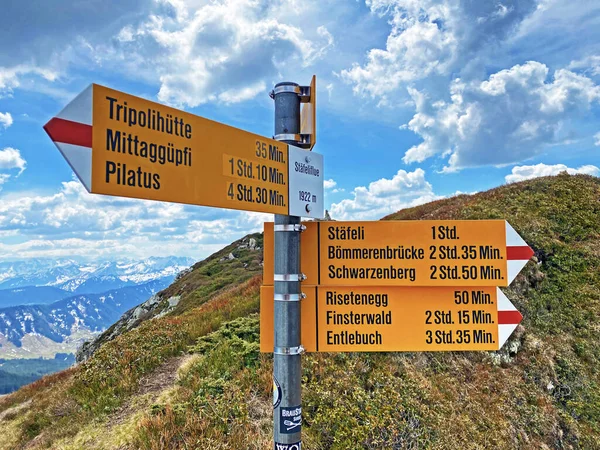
289 297
290 88
302 91
289 277
295 227
288 137
298 139
288 350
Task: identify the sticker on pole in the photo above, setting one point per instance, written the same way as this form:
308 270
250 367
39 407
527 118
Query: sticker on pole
294 446
290 420
306 183
277 393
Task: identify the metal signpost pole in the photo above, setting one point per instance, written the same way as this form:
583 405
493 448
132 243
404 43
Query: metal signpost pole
287 413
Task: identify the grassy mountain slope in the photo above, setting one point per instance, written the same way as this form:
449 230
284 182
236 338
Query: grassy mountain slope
541 391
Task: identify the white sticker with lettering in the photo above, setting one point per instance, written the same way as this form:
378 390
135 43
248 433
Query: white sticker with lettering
306 183
294 446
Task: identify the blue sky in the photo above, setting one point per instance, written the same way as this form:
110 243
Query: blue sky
417 100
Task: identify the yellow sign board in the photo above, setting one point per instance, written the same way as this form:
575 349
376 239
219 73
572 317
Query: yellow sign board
401 253
392 319
148 150
126 146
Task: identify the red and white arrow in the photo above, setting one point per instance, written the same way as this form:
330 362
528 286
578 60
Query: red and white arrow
71 132
508 317
518 253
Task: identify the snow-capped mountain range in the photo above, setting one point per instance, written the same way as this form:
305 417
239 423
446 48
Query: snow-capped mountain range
76 277
52 307
44 330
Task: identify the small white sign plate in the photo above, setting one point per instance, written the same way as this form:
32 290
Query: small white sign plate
306 183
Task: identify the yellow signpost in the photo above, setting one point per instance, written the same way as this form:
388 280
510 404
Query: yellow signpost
126 146
376 319
407 253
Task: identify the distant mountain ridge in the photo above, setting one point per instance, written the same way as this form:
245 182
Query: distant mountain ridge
79 278
50 307
31 330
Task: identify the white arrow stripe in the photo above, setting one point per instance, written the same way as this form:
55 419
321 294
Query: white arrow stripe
512 237
80 109
504 332
513 267
504 304
80 160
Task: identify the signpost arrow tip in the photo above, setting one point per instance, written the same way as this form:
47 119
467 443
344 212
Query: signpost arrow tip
518 253
71 132
508 318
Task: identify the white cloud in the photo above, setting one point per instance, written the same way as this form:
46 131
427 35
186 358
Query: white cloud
520 173
329 184
10 158
73 222
8 80
432 37
442 51
6 120
11 77
384 196
227 51
597 139
507 118
576 23
196 51
3 179
590 65
414 53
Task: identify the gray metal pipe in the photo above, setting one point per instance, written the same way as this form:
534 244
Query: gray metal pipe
287 368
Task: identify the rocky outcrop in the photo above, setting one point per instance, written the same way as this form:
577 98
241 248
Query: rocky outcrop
154 307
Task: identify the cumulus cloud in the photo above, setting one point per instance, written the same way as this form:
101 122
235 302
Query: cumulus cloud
6 120
225 51
10 158
432 37
507 118
216 51
73 222
329 184
520 173
384 196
